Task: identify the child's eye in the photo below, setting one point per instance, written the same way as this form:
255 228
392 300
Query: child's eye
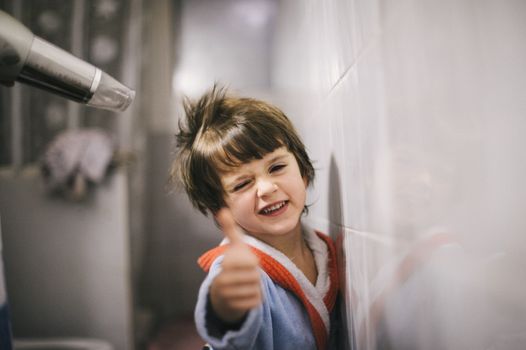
240 186
277 167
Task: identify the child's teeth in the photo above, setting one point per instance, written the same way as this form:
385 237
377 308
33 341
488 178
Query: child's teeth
274 207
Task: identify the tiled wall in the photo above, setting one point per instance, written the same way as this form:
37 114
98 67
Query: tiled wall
414 112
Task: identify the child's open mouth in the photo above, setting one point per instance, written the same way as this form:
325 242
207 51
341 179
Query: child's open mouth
274 209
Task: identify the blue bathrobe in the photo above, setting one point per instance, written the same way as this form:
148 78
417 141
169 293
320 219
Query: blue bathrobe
295 314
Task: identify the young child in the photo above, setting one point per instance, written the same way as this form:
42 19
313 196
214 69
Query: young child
272 283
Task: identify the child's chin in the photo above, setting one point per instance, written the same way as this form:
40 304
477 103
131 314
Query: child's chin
282 229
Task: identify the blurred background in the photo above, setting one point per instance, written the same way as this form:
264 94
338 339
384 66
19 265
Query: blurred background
413 112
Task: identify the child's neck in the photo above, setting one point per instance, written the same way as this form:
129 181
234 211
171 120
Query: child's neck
296 249
290 244
301 255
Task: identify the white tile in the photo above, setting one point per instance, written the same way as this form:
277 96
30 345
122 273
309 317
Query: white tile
364 257
313 47
363 127
367 22
426 110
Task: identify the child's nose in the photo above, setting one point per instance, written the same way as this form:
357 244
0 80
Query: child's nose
265 187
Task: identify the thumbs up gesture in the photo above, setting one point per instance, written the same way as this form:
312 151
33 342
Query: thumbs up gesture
237 288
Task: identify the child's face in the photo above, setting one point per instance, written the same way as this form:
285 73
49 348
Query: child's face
267 196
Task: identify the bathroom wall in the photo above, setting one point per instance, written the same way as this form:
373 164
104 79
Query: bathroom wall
413 112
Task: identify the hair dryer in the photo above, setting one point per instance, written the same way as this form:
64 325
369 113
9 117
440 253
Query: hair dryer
28 59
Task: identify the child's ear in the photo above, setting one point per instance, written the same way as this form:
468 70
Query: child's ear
305 181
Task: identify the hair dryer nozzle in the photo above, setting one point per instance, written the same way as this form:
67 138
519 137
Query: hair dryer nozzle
110 94
53 69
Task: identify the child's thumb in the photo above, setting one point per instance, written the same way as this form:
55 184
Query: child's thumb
229 226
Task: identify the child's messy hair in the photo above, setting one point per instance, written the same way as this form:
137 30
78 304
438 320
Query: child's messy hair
220 132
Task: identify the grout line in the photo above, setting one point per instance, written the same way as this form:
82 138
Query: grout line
326 225
374 38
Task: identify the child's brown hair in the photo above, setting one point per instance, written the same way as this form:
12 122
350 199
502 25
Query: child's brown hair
221 132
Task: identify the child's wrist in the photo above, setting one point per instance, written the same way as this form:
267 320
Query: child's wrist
226 320
224 313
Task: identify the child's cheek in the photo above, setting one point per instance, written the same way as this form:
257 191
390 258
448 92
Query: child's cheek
242 206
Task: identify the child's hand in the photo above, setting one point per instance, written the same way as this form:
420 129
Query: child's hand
237 288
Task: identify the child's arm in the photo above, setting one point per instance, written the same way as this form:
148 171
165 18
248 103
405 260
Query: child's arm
237 288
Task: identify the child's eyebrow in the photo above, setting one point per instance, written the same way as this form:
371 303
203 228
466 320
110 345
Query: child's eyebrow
276 158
